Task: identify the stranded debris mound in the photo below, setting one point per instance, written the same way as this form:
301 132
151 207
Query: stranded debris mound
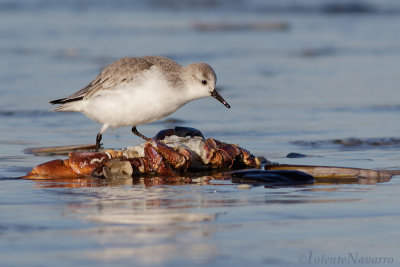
175 155
180 150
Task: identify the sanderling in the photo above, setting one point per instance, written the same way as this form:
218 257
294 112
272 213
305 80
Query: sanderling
134 91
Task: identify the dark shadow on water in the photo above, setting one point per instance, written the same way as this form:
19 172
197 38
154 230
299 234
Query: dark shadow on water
25 113
23 228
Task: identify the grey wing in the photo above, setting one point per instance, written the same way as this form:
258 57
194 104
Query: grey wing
164 63
120 71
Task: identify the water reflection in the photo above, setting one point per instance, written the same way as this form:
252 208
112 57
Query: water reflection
145 225
70 183
123 216
147 181
217 179
157 224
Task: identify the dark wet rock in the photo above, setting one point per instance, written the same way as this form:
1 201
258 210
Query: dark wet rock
163 133
352 142
179 131
294 155
272 178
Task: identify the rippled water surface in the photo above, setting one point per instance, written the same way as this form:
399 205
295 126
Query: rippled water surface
323 80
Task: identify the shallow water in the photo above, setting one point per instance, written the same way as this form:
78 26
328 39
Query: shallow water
331 74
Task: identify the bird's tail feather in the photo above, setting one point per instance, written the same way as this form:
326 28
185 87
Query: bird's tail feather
58 101
67 104
68 107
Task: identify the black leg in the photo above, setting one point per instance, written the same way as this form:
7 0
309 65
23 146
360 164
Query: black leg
136 132
98 139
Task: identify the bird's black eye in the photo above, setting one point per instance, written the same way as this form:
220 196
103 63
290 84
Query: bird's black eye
204 82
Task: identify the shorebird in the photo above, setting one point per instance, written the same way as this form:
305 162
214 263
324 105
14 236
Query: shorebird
138 90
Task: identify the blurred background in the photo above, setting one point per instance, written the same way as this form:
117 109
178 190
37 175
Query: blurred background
318 77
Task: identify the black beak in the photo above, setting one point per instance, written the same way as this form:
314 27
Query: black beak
219 98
